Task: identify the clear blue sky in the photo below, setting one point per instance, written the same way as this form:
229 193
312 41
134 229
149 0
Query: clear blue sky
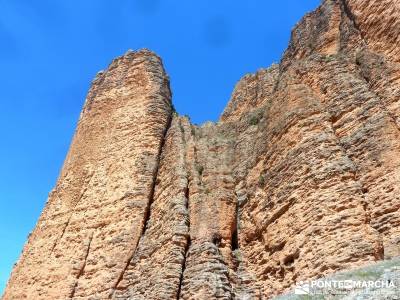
51 50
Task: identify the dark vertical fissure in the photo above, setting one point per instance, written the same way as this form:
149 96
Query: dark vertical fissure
147 213
350 15
235 241
188 243
70 217
61 236
188 238
82 269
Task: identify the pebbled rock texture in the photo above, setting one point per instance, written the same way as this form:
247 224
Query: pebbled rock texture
300 178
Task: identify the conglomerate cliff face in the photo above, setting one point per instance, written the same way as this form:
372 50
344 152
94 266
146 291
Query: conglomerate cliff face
299 178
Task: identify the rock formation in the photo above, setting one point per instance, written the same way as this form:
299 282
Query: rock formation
299 178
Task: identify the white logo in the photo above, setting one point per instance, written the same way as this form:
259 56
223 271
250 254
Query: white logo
302 288
342 287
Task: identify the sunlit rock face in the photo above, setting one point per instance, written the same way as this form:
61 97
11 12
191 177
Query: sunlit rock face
300 177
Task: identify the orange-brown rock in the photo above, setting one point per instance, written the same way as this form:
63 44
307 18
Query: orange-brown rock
299 178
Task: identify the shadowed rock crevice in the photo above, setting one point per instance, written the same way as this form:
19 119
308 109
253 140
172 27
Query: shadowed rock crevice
147 210
187 207
235 240
61 236
181 278
151 197
87 182
82 268
351 16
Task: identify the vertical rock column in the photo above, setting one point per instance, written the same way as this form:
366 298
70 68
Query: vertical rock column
154 272
94 218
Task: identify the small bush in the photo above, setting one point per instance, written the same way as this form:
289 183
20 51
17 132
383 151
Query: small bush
200 170
329 58
261 181
254 120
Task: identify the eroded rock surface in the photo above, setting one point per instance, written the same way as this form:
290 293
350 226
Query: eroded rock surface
300 177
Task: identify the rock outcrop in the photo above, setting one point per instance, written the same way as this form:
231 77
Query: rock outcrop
300 177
